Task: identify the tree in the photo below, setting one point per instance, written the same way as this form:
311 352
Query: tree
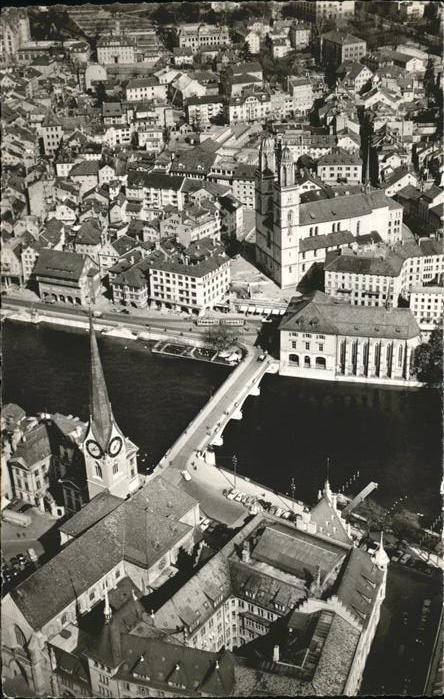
429 76
246 52
220 337
189 12
290 10
163 15
428 358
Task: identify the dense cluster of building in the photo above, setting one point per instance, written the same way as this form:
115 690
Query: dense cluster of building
129 171
136 157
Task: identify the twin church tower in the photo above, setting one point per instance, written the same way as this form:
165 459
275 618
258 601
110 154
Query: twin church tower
277 214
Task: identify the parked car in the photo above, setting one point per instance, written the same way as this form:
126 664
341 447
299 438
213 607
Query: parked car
406 557
32 555
185 475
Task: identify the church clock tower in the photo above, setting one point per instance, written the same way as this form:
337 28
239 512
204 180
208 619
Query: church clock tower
110 458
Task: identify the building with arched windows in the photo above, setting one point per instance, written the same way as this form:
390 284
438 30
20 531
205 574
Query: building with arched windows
323 338
292 235
281 608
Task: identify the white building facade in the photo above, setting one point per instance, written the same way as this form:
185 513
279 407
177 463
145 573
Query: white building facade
325 339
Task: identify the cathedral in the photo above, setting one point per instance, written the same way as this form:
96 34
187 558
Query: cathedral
107 459
292 235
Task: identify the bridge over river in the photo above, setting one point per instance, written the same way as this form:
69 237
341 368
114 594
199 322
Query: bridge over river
205 430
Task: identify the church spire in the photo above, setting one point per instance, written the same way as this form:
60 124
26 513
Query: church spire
380 558
366 179
101 414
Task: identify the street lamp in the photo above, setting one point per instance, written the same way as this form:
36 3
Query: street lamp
234 462
293 489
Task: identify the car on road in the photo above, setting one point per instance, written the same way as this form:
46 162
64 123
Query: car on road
406 557
372 549
124 310
230 493
185 475
262 357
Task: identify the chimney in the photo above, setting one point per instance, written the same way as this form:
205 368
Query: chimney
276 653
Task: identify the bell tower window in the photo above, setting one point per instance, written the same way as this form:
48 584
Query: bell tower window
98 470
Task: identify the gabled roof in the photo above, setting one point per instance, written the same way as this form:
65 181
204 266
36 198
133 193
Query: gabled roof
329 240
295 552
359 585
60 265
323 314
342 38
342 207
326 516
35 446
358 264
91 513
339 156
89 233
86 168
139 530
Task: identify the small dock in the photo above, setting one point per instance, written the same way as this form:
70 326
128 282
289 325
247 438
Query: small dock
201 354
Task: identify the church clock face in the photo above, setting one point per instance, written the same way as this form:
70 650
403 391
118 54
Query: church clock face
115 446
94 449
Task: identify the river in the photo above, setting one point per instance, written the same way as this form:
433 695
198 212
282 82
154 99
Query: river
153 398
391 436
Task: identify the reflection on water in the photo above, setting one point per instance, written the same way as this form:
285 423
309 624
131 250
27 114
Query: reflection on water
153 397
392 436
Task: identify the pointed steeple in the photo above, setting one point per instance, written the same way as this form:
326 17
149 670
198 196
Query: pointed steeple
107 611
366 178
380 558
327 490
101 414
